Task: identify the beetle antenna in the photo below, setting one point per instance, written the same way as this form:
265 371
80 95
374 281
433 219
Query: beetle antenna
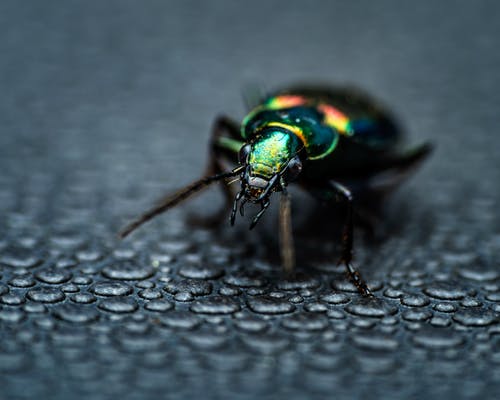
174 199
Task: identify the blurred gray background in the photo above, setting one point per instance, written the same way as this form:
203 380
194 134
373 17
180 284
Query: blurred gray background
105 106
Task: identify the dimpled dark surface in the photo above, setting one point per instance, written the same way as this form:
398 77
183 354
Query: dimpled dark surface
106 105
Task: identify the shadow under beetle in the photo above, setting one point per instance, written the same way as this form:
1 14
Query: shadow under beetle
335 143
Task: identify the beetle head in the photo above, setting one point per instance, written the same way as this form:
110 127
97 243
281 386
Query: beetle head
270 162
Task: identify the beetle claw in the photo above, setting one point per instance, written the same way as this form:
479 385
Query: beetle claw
356 278
259 214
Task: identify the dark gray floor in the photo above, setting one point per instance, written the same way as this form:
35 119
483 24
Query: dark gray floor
106 105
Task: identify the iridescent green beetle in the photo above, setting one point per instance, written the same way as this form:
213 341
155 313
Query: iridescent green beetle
336 143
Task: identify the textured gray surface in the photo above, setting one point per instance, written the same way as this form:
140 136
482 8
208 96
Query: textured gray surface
104 107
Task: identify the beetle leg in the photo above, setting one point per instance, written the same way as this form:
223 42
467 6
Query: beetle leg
235 207
347 232
286 236
347 240
214 172
217 154
222 125
328 192
396 169
263 209
242 207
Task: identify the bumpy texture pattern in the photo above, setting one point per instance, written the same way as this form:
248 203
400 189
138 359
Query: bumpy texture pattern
107 105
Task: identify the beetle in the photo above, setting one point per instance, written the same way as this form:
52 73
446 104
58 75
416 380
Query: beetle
337 143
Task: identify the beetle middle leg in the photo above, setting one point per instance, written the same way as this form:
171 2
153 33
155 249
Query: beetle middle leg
213 173
333 191
218 152
223 128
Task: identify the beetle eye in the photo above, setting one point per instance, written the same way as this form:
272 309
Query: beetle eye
244 152
293 169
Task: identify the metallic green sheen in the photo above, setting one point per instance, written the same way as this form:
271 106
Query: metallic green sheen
318 138
372 140
272 150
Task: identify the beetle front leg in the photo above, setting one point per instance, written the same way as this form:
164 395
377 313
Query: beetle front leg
286 235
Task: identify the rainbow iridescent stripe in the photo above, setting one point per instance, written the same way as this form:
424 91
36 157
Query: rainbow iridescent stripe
336 119
333 117
285 101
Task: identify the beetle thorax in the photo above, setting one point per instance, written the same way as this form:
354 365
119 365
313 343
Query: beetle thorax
270 152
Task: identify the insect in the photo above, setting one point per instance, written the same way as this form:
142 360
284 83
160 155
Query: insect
335 143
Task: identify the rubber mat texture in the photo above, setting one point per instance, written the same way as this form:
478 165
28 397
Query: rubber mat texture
106 106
